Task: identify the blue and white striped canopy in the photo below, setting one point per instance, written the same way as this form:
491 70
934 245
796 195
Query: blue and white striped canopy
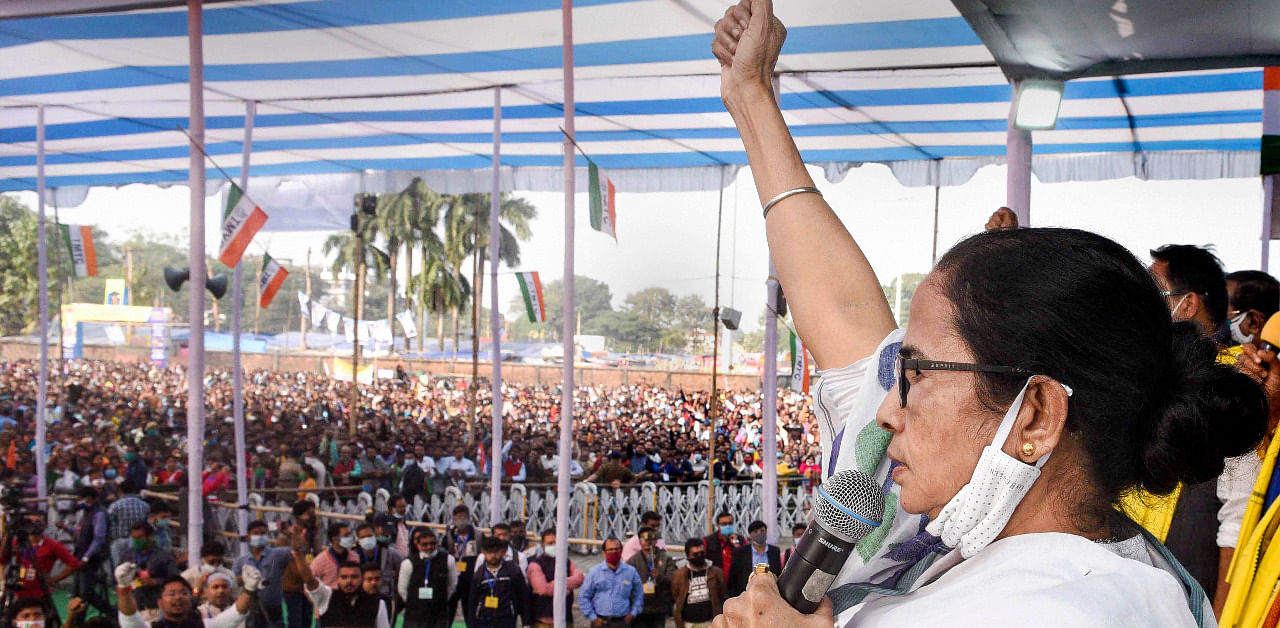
349 91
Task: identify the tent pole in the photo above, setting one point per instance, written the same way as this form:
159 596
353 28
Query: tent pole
937 195
769 418
1268 203
237 376
42 278
495 234
198 273
712 414
566 387
1018 154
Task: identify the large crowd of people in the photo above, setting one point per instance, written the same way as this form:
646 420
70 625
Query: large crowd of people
124 424
115 429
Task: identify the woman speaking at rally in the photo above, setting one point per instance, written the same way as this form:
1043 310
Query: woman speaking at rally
1039 377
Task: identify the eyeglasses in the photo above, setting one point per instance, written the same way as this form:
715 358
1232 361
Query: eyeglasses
913 364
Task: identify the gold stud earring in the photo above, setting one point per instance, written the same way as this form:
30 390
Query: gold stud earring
1028 450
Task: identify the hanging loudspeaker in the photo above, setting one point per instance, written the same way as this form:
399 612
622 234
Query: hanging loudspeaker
174 277
730 317
217 285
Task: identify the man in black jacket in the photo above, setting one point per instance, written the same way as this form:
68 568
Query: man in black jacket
499 594
460 542
427 579
755 552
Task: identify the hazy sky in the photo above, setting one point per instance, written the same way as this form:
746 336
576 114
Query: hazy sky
668 239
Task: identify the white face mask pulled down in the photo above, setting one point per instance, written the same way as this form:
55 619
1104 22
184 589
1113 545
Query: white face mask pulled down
981 509
1237 335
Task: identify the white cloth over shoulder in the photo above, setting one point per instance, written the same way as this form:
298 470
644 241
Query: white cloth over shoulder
1052 579
1235 485
1047 579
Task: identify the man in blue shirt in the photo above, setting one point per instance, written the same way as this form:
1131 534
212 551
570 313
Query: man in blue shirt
270 562
612 595
756 552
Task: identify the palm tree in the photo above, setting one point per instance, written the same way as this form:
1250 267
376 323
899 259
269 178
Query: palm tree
468 216
344 244
405 219
439 288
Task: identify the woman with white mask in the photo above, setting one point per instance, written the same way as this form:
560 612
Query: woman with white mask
1040 376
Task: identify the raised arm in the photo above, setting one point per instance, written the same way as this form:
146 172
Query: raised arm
836 301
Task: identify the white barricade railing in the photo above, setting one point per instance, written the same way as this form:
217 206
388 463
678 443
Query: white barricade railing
595 512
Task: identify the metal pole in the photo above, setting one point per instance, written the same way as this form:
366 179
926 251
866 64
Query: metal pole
358 287
42 278
472 390
937 192
302 322
1018 154
715 367
769 436
566 387
195 312
237 374
495 234
1268 204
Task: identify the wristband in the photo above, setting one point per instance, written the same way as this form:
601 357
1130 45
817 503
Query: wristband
788 193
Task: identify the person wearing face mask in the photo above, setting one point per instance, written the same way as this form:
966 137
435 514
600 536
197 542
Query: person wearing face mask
757 551
655 568
541 574
211 558
271 563
341 543
91 547
648 519
1040 376
612 594
698 588
520 540
797 531
499 594
26 612
135 473
426 582
155 566
374 547
721 543
1199 522
393 524
461 543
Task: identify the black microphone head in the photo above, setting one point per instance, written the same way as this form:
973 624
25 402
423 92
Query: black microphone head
850 503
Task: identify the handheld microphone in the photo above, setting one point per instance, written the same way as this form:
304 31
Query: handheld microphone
1270 334
850 506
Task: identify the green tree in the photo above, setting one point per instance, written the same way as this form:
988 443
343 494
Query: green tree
19 288
910 281
592 300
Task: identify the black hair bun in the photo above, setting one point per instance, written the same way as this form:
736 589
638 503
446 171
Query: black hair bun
1211 412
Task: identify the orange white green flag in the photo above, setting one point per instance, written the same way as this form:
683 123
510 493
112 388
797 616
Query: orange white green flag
531 292
273 276
79 240
241 220
604 214
799 365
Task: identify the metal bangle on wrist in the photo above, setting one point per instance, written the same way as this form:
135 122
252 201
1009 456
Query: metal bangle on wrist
792 192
